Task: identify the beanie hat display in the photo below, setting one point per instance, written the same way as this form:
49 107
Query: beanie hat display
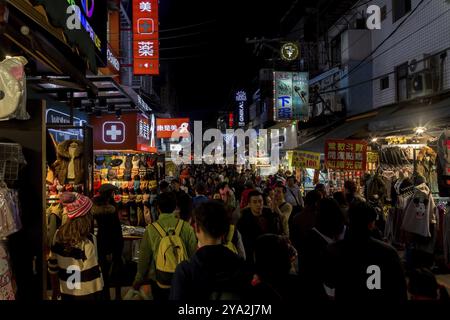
79 207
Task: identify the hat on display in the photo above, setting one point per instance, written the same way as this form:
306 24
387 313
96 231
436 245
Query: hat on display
99 160
116 162
79 207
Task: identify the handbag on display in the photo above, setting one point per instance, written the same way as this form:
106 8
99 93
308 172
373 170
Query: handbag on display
13 95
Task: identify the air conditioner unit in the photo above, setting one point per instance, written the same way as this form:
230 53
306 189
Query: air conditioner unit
421 84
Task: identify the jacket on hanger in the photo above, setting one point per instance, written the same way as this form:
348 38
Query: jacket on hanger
70 163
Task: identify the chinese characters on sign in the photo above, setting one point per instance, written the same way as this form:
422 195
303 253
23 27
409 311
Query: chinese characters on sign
346 155
291 98
165 127
146 133
145 37
306 159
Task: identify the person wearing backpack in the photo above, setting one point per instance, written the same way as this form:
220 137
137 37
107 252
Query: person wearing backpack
166 243
214 272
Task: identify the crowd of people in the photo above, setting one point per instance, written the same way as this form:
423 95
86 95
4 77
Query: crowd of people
217 234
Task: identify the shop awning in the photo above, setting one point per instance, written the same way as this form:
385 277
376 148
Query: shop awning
353 127
409 117
389 120
110 93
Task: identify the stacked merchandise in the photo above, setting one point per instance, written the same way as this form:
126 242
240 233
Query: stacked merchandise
134 176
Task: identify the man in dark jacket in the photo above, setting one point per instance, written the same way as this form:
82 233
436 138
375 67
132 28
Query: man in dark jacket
361 268
311 257
214 271
109 235
255 221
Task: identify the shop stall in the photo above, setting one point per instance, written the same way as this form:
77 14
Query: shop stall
125 156
308 167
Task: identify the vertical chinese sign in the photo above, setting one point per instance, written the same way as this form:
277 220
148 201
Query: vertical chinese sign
146 130
346 155
291 96
145 37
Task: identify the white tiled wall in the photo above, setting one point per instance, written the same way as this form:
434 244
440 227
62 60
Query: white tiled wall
427 31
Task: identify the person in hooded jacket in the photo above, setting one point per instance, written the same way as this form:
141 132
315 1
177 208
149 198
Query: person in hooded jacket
109 235
214 272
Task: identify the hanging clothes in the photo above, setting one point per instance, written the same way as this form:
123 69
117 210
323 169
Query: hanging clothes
420 212
6 278
9 212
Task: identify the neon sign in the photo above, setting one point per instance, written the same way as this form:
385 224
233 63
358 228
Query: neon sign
85 6
81 19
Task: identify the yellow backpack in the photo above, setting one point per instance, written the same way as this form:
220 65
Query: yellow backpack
229 240
170 253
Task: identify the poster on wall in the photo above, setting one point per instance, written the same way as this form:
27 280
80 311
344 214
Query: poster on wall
346 155
291 96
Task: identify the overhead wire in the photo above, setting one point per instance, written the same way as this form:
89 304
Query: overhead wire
379 46
384 52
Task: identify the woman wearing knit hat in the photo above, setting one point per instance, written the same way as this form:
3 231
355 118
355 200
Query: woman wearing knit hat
73 257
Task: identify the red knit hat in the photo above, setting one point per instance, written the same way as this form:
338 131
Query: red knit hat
79 207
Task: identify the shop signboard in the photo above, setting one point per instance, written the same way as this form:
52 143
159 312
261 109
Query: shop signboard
291 96
165 127
305 159
231 120
59 115
350 155
84 23
146 138
145 37
111 133
241 99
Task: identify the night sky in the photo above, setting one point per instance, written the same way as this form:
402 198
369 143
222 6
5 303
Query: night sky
217 59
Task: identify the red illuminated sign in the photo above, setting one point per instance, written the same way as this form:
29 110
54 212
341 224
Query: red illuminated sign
350 155
166 127
145 37
230 120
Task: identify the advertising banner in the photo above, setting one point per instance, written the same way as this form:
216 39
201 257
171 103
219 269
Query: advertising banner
291 96
346 155
305 159
165 127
